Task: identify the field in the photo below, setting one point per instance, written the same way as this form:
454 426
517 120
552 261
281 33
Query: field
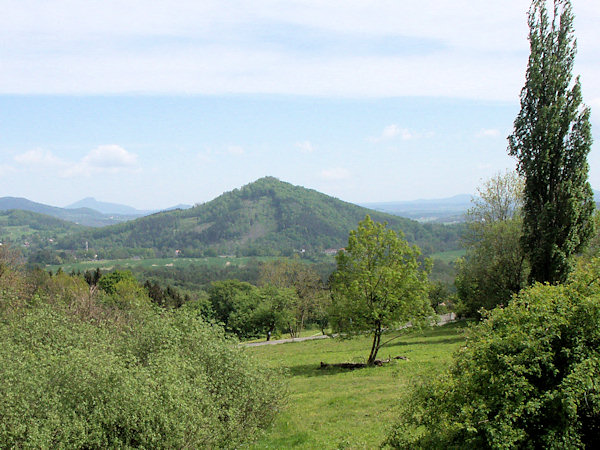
335 408
109 264
449 256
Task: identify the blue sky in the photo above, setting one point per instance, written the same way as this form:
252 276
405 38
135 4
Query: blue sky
154 103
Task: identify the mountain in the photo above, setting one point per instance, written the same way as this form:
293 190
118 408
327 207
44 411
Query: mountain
83 216
107 208
445 210
118 209
267 217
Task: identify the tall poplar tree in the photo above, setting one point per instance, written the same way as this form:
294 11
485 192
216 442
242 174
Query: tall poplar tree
551 141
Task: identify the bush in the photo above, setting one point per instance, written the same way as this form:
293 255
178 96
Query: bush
160 380
528 377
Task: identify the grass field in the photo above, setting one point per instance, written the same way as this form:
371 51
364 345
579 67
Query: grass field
109 264
335 408
449 256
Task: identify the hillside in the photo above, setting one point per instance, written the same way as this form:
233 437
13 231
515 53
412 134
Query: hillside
267 217
34 233
83 216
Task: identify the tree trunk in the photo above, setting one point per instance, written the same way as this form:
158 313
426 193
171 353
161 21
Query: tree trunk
375 346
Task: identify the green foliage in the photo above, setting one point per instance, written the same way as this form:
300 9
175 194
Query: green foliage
77 373
249 311
310 298
528 377
168 297
379 283
109 281
493 270
275 310
232 302
551 140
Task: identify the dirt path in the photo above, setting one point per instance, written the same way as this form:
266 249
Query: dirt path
283 341
444 319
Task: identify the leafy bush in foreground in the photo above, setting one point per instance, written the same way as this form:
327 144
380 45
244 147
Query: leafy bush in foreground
528 377
143 379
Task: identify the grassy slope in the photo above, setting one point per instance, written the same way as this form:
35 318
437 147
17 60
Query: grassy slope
334 408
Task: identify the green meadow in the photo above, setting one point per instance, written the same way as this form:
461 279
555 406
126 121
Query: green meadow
448 256
338 408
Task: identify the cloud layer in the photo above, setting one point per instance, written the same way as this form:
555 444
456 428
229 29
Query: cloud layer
304 47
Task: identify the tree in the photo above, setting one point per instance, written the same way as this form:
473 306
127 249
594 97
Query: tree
233 303
275 310
551 141
308 286
494 267
380 283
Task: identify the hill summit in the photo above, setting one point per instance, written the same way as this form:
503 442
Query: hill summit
266 217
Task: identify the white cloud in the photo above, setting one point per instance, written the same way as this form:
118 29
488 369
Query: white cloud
391 132
335 174
110 157
305 147
235 150
102 159
38 157
488 133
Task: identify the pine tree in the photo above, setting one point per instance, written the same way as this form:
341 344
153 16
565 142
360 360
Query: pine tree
551 141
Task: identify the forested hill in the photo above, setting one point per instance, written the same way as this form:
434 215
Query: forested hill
267 217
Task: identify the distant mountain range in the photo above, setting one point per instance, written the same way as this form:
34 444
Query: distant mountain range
118 209
88 212
83 216
442 210
446 210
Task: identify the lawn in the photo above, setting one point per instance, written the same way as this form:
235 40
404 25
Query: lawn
335 408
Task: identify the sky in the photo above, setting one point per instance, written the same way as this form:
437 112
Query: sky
153 103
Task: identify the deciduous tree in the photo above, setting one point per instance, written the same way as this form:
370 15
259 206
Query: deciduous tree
380 283
494 266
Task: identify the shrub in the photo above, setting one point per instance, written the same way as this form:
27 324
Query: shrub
161 380
528 377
